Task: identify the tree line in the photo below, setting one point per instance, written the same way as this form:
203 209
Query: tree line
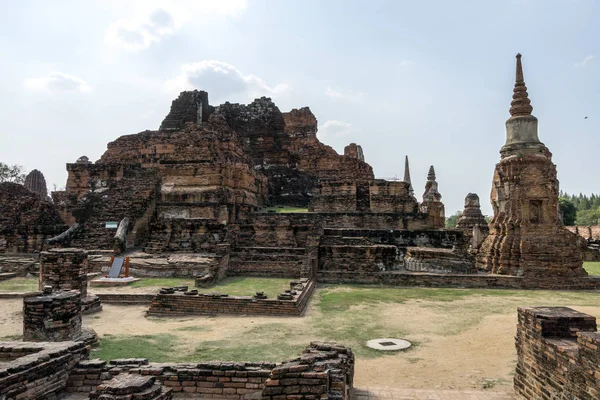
12 173
581 209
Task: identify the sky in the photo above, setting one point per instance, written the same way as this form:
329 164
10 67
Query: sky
429 79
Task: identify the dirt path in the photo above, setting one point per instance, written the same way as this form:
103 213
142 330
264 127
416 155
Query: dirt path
452 349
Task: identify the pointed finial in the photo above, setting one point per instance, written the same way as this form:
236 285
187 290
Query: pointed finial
406 170
431 174
520 104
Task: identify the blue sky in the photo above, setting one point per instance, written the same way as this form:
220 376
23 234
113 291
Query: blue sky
431 79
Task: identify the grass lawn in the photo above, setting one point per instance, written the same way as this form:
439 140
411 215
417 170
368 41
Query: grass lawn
592 268
248 286
284 209
347 314
157 283
234 286
19 284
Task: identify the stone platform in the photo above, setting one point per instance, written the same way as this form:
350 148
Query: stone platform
146 265
107 282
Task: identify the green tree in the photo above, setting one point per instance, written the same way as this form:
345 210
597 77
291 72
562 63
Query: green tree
11 173
453 219
568 211
588 217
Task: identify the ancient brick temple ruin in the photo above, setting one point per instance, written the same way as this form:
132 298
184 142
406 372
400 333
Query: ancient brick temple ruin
202 182
526 234
198 198
201 193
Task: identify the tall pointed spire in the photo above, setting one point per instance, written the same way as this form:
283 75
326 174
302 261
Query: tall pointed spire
521 127
406 170
520 104
431 174
407 176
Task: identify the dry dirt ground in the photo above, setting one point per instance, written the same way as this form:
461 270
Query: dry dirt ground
462 343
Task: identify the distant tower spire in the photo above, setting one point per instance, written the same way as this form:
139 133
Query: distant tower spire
407 175
431 186
431 174
406 170
520 104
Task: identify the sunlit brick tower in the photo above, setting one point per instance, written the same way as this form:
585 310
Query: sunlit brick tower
526 235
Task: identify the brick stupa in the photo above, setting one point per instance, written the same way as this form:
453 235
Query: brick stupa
526 235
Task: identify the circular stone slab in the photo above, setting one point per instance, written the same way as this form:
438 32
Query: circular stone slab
387 344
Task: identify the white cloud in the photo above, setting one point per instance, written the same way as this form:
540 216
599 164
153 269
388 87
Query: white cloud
334 128
139 35
406 63
584 62
221 80
346 96
58 82
153 20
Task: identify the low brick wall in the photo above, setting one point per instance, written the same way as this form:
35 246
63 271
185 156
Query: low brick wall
35 371
323 370
471 281
558 354
179 303
232 380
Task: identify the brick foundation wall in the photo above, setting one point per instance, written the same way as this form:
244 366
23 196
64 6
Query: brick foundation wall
54 317
35 371
473 281
558 356
370 258
283 262
179 303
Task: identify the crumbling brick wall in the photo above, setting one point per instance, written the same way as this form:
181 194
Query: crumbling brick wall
35 371
52 317
323 371
222 379
558 355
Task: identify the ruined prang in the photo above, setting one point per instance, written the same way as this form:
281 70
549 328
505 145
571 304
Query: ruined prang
431 182
432 203
355 151
472 215
190 106
526 235
36 183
